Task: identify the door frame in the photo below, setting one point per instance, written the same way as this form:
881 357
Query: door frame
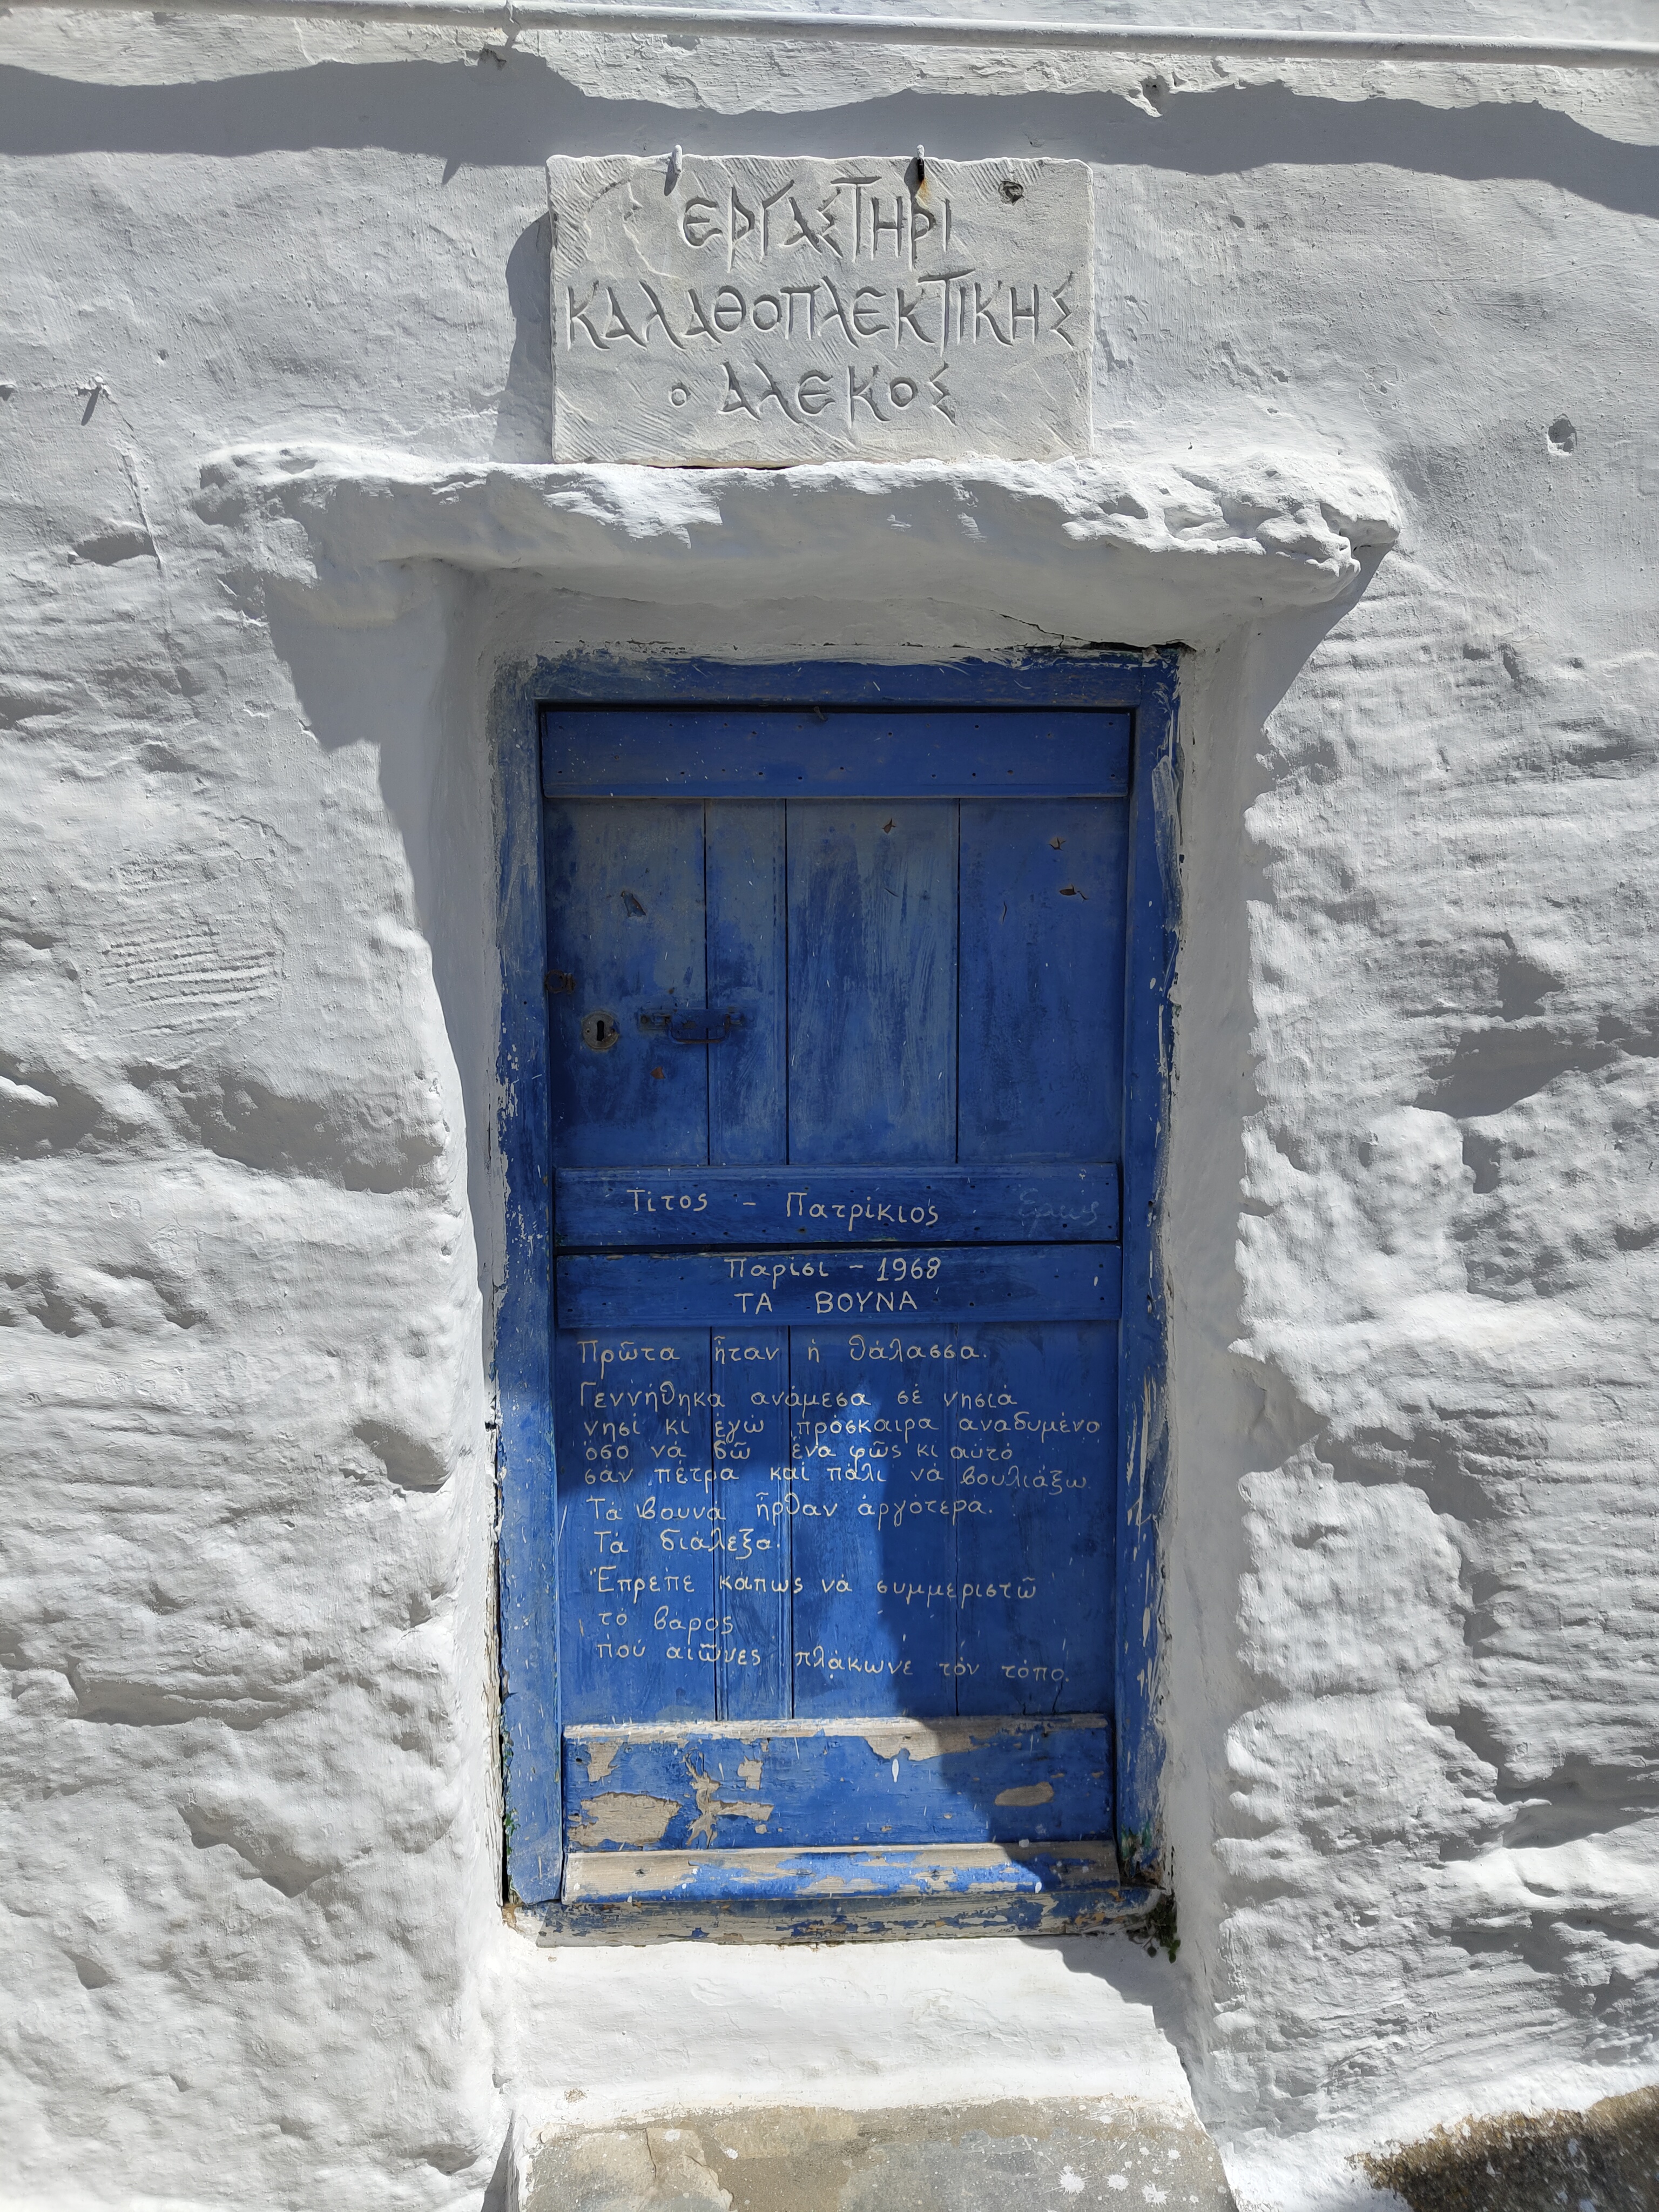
1146 685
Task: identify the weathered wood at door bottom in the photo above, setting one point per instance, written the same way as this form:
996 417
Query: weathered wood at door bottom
665 1788
823 1895
821 1872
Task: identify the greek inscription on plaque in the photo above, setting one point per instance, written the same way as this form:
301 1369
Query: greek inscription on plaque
752 310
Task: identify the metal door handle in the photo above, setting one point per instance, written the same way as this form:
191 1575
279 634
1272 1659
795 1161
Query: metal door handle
693 1024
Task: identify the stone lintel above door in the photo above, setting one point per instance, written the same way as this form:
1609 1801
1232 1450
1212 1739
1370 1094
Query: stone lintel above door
1141 547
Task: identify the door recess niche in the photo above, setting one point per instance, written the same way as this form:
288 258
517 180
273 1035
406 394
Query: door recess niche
844 1099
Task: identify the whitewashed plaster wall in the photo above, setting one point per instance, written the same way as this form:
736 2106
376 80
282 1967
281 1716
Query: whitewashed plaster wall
248 1833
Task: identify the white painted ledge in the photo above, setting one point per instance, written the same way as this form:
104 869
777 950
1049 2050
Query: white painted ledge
1138 551
859 2025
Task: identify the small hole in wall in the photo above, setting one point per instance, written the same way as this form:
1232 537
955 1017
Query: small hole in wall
1562 435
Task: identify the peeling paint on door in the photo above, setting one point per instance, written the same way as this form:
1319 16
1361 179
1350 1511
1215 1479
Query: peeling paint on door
620 1816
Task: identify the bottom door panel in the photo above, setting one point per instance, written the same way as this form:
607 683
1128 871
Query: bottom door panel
998 1779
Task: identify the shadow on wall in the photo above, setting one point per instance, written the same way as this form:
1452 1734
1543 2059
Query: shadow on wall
502 109
1532 2162
524 419
510 110
391 688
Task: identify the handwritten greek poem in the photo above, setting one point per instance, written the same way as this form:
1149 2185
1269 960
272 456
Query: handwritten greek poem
752 310
920 1515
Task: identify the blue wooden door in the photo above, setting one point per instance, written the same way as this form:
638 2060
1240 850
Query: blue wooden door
835 1088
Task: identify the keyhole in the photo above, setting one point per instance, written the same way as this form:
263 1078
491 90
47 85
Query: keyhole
600 1031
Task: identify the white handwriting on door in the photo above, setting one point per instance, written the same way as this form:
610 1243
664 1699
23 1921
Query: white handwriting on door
909 1462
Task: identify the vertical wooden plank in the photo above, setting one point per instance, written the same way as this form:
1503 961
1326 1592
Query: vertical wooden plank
637 1541
1143 1419
872 982
873 1521
625 937
1043 930
748 1112
527 1589
1033 1441
753 1572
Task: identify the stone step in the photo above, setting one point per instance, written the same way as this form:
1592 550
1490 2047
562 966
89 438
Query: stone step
1060 2154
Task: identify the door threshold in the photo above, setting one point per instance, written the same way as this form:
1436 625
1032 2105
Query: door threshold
826 1894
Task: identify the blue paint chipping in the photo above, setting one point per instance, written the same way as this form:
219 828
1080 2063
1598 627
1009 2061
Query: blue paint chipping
706 1877
887 1007
1007 1780
845 1897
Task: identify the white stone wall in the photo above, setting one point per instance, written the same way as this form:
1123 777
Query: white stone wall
249 1827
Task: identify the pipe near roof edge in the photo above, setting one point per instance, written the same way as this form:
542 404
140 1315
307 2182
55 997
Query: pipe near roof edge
519 16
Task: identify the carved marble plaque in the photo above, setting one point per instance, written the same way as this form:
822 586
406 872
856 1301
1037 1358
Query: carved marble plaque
747 309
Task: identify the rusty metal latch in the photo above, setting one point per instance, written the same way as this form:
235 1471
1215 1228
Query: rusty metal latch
693 1024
